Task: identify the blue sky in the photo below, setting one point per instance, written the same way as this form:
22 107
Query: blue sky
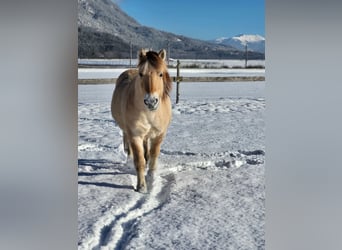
200 19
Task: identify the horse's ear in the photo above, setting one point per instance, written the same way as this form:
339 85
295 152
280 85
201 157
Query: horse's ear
142 53
162 54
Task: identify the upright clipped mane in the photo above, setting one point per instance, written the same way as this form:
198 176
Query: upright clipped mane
158 63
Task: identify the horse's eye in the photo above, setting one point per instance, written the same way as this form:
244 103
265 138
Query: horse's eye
161 74
140 74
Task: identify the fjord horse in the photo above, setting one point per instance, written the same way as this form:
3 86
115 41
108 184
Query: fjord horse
141 106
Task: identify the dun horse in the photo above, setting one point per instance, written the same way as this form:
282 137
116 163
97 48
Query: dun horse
141 107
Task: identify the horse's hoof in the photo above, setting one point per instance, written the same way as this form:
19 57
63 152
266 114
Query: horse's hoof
142 190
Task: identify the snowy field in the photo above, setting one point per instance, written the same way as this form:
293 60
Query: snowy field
210 189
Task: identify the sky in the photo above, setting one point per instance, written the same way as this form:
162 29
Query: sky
199 19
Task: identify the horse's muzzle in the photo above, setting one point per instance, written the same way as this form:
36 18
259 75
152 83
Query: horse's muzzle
151 102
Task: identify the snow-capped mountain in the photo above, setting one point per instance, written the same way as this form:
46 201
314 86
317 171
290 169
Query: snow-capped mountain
254 42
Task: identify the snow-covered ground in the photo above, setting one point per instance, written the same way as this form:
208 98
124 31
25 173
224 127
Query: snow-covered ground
210 187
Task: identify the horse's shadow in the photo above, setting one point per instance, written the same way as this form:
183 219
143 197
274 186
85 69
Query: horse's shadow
100 163
118 168
101 173
104 184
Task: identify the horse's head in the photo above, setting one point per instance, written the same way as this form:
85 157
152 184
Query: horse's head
155 80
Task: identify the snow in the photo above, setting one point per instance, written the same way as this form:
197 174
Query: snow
221 39
241 38
254 42
249 38
209 192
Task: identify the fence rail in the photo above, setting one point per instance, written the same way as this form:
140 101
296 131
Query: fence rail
184 79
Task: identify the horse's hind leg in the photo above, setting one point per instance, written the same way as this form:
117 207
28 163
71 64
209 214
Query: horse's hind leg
146 149
127 146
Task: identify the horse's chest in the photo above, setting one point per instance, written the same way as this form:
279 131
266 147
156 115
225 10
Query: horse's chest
149 126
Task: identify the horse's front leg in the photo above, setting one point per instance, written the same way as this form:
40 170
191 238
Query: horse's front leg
154 153
139 163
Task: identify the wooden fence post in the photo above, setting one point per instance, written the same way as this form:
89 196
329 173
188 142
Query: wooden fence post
246 55
178 79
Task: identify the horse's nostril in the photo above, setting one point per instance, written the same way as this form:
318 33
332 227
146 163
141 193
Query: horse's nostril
151 102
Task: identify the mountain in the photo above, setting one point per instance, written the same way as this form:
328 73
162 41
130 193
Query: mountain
105 31
254 42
